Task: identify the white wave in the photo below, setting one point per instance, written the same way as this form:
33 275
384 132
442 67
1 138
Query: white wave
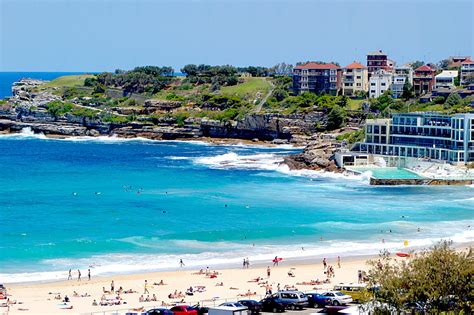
270 146
271 162
232 160
461 200
27 133
177 158
230 254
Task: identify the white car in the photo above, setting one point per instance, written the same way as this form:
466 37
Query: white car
338 298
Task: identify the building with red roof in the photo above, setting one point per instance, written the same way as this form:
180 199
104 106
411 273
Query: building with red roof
423 80
467 72
317 77
355 79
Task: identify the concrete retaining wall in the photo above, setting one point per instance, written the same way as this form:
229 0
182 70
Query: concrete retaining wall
419 181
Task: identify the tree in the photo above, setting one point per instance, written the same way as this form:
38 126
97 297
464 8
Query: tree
343 100
443 64
336 117
440 278
417 63
280 94
452 100
407 91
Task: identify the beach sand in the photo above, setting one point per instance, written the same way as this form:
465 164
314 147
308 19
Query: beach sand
38 298
35 298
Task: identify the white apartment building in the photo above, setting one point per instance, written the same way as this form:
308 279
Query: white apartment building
379 82
445 79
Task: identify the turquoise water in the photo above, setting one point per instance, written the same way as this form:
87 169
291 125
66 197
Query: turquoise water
388 172
130 206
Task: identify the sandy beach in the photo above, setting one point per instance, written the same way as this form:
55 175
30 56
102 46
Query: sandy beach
39 298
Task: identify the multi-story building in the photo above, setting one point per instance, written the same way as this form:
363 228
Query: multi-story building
445 79
467 72
401 76
421 135
423 80
398 82
404 71
456 61
317 78
354 79
379 82
378 60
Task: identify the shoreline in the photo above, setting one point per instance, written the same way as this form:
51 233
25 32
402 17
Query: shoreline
38 298
207 140
297 261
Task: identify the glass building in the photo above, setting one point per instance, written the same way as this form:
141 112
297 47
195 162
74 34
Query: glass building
421 135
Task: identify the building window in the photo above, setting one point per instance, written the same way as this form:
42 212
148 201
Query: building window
372 84
359 77
383 84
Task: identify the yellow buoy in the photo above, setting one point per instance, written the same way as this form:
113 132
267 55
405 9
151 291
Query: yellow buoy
405 243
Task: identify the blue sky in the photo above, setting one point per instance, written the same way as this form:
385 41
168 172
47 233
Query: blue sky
99 35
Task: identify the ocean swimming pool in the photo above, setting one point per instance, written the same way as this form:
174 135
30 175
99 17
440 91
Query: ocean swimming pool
387 172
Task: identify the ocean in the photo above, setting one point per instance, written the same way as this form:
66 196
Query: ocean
124 206
8 78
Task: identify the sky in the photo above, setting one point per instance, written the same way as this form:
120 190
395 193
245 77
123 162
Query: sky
104 35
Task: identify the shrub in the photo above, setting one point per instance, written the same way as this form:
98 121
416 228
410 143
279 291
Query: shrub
58 108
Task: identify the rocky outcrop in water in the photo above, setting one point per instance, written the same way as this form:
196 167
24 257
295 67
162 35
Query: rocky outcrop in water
317 155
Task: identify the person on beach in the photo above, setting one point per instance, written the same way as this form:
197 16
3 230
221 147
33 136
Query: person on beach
339 262
181 263
275 261
278 287
359 276
89 274
244 264
78 275
112 287
325 264
70 275
268 271
145 291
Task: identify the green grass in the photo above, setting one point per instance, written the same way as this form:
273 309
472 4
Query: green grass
68 81
249 89
355 104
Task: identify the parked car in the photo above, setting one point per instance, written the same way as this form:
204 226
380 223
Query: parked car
201 309
292 299
358 291
183 310
232 304
253 306
229 310
272 304
317 300
338 298
159 311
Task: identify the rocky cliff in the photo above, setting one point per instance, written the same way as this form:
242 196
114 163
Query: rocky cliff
28 108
